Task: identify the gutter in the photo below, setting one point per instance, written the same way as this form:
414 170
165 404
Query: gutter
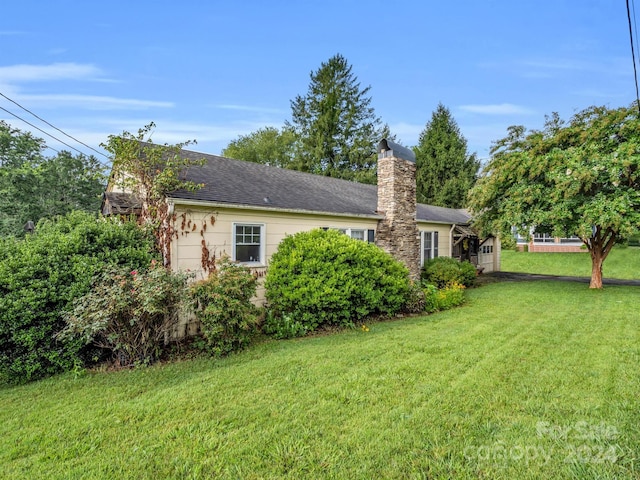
451 240
237 206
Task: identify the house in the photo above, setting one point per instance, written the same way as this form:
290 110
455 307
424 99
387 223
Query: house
544 242
245 209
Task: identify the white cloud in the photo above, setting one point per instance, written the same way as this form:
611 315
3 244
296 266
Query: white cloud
557 64
54 71
599 94
211 137
407 133
91 102
496 109
551 68
250 108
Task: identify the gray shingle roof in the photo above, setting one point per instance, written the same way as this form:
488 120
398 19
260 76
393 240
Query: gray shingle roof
236 182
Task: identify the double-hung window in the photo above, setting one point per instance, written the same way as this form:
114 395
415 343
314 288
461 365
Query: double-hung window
248 243
359 234
429 250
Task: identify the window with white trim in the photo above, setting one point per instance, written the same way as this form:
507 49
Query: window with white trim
248 243
543 238
429 246
359 234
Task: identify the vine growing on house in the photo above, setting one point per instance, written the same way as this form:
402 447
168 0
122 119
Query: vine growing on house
189 225
151 172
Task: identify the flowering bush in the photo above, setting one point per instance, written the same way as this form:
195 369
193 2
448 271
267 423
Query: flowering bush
450 296
43 275
444 298
130 313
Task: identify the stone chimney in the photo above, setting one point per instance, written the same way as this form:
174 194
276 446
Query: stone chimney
398 231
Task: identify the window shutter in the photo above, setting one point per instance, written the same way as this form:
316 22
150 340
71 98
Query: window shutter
371 236
435 244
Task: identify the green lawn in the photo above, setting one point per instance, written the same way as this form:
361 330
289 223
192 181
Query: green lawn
528 380
621 263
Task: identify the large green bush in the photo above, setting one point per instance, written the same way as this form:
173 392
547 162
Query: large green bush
326 278
43 275
442 271
222 304
130 313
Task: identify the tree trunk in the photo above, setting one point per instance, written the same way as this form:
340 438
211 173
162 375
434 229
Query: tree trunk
597 258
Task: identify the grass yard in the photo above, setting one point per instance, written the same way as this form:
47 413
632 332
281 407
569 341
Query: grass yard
621 263
528 380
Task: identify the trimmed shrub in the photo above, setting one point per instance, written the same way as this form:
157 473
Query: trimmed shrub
222 304
129 313
42 275
326 278
444 270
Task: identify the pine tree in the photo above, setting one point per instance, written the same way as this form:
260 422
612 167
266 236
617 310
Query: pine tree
336 126
445 170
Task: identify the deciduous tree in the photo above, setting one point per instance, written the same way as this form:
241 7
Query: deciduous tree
269 146
33 186
445 170
580 177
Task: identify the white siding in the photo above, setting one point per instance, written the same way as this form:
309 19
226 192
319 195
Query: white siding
187 247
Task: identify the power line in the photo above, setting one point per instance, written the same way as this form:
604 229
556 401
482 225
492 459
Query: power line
48 134
635 29
54 127
635 26
633 55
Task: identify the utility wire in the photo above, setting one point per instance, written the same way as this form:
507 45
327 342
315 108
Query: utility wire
51 148
54 127
635 26
633 55
48 134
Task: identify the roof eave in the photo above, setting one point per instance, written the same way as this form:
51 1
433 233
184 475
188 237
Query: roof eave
239 206
441 222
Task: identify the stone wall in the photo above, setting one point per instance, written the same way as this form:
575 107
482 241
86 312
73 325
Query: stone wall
398 232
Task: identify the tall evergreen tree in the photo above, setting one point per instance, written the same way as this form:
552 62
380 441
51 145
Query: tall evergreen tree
445 170
336 125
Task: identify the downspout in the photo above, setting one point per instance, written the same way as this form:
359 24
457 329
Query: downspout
173 246
451 240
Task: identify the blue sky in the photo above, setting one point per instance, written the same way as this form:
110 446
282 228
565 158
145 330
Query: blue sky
214 70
